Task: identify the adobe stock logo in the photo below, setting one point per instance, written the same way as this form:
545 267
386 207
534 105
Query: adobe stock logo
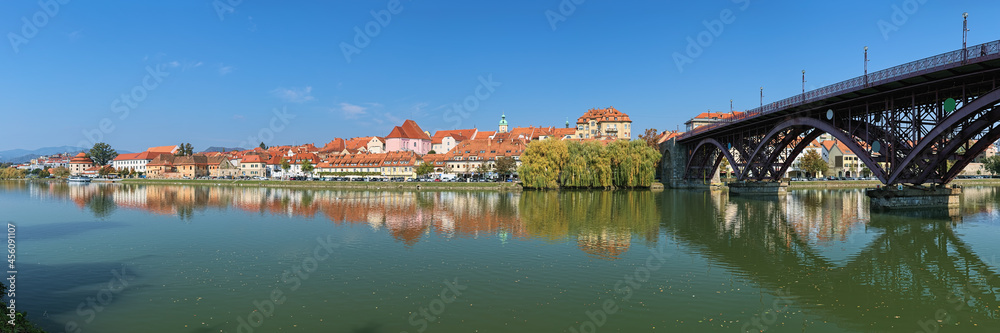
459 111
900 15
703 40
49 10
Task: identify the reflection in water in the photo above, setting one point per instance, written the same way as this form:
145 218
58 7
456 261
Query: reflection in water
903 271
910 271
603 223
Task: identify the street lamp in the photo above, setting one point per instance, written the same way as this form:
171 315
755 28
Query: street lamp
965 37
866 66
762 96
803 86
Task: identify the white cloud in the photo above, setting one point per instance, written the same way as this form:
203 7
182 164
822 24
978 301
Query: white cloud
393 119
352 111
293 95
174 63
418 110
223 69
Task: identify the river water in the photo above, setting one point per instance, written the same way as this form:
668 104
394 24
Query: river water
135 258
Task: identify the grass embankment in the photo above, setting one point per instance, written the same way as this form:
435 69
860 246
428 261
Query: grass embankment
333 185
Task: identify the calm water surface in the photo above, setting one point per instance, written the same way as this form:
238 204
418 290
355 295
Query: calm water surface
211 259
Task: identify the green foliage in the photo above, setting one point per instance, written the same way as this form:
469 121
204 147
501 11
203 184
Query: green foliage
185 149
307 166
11 173
44 174
61 172
285 165
431 152
262 145
813 163
424 169
505 166
102 153
553 163
542 162
21 323
992 164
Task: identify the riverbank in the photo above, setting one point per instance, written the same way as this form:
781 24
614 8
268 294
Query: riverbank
334 185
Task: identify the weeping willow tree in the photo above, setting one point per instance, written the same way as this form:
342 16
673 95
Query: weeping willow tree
633 163
542 162
553 163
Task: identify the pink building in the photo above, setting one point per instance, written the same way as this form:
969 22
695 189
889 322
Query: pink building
408 137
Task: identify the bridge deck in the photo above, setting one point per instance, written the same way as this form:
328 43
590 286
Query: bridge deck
951 64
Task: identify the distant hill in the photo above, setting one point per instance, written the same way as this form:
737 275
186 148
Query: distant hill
22 155
220 149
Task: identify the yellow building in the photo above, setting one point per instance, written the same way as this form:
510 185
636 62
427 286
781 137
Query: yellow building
601 123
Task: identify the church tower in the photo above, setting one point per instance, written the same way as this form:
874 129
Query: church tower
503 124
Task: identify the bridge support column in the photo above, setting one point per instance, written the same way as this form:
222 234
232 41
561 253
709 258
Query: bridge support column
892 198
758 188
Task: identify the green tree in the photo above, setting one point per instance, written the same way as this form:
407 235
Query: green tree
542 162
105 170
992 164
102 153
44 174
424 169
185 149
724 167
813 163
505 166
61 172
650 137
285 165
482 169
262 145
12 173
307 167
431 152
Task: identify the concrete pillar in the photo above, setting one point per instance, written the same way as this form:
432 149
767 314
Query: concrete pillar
896 197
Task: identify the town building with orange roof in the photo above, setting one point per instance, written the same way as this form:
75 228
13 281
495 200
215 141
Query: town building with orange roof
401 164
445 140
253 165
79 163
138 161
408 137
608 122
475 156
711 118
164 149
224 168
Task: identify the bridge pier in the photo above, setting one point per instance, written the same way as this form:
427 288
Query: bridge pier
893 198
758 188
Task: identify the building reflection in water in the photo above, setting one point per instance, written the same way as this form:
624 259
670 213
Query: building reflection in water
602 222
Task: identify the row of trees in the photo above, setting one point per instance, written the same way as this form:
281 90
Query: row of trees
555 163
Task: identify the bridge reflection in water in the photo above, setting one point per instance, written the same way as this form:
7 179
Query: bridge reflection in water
840 264
911 270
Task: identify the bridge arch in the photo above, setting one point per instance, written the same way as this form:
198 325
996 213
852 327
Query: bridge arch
707 149
818 127
963 125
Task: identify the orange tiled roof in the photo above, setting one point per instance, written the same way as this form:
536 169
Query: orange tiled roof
163 149
409 130
602 115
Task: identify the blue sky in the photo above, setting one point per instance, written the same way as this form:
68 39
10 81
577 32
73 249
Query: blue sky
220 74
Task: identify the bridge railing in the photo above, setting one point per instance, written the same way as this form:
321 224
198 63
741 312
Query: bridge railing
972 54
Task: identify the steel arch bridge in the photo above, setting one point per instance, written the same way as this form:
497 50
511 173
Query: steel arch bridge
916 123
